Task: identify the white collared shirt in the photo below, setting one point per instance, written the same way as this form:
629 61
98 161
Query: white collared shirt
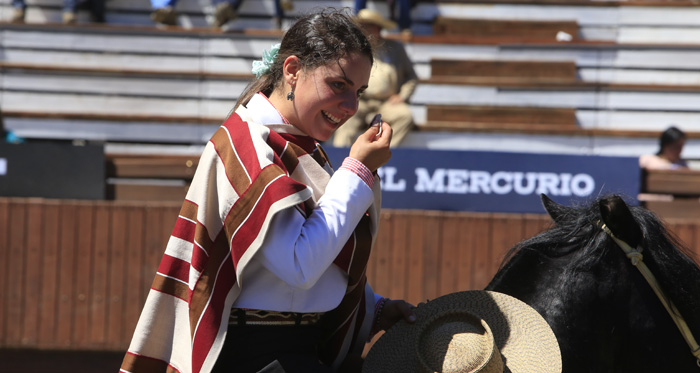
294 270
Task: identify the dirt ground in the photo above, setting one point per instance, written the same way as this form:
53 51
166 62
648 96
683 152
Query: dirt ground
36 361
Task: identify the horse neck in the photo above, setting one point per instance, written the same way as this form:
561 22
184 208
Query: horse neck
679 277
601 313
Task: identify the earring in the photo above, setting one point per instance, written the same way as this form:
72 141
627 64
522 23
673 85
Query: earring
290 95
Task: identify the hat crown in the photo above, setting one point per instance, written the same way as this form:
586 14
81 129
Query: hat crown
510 336
457 342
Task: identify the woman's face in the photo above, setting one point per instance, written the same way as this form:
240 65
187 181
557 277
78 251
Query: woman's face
673 150
327 96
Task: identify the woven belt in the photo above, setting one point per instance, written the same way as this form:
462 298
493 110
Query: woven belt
242 316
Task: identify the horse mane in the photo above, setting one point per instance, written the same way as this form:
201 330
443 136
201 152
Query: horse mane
577 233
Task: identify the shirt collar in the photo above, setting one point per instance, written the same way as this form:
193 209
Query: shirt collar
262 111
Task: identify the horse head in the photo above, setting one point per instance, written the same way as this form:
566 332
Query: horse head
614 213
605 315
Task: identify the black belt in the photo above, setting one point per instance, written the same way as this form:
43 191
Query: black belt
242 316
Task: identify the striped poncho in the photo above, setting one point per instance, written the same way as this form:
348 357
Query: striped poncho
247 173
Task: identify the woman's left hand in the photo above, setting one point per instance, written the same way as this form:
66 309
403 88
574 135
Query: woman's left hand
372 150
395 310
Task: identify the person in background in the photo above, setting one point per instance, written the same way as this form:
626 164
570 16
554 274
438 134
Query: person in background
671 143
266 266
70 7
404 20
224 11
391 85
7 135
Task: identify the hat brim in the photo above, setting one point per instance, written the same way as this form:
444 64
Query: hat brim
366 16
523 337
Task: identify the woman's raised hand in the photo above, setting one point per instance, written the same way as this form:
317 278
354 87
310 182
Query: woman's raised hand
372 149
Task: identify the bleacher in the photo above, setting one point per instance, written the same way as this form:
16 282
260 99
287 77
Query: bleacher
545 76
671 193
572 77
623 74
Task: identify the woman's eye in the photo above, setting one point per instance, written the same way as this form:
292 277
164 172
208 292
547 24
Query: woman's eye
338 85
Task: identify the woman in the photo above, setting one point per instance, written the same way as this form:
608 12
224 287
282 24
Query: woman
671 143
265 269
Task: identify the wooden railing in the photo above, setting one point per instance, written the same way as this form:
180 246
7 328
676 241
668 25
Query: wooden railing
499 71
526 30
672 193
75 274
163 178
500 118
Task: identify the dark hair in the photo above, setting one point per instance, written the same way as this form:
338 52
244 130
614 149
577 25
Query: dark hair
669 136
317 39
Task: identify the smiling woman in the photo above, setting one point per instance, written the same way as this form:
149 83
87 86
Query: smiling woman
265 269
325 96
317 75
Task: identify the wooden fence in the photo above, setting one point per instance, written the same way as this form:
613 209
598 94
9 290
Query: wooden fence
672 193
75 274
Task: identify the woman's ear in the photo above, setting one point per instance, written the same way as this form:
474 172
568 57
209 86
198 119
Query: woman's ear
291 69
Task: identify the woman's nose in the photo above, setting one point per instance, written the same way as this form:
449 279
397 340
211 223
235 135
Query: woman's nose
349 104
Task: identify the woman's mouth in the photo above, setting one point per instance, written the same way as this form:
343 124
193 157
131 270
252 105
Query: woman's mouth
333 119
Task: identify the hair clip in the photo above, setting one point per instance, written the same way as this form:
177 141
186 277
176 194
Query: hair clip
262 67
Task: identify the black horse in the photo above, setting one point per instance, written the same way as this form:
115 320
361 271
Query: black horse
604 313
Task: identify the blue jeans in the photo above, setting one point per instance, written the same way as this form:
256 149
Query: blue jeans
97 7
404 11
70 5
156 4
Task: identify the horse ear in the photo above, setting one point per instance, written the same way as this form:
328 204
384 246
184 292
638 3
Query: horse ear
555 210
618 217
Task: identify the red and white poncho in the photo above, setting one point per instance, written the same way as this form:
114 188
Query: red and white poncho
248 174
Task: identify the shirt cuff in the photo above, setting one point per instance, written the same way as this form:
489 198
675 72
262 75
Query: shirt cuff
359 169
378 308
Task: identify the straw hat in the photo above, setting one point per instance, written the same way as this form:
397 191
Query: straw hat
375 18
469 331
